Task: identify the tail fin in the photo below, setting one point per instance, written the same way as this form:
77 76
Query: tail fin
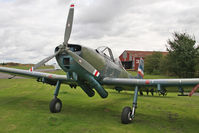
140 74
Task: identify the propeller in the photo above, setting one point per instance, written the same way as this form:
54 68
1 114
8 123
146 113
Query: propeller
69 25
42 62
66 38
87 66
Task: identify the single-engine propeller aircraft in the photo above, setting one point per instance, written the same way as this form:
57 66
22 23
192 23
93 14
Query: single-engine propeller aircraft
91 69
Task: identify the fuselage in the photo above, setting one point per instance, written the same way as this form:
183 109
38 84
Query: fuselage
104 64
100 61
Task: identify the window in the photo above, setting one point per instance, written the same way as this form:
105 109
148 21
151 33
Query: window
106 52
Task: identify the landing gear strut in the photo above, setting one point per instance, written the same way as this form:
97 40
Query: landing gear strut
56 104
127 114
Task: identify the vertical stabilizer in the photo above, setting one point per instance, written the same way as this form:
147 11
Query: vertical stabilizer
140 74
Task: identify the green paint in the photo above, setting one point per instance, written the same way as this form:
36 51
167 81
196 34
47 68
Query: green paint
93 58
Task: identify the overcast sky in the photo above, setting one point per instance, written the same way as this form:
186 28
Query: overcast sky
31 29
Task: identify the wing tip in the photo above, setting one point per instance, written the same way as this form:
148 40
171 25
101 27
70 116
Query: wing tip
72 5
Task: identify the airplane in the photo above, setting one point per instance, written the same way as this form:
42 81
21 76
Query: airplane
92 69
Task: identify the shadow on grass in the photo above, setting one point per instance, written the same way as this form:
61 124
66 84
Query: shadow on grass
14 103
132 94
71 111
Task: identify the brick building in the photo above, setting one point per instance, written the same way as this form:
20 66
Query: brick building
130 59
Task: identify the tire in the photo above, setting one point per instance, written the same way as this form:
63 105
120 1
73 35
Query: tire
55 105
125 117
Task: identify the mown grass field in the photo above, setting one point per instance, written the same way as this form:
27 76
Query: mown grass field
24 108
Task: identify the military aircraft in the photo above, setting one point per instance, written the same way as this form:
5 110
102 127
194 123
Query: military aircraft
92 69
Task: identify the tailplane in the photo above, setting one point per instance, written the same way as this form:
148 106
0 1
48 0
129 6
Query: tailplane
140 74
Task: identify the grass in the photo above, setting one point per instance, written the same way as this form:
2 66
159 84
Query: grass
24 108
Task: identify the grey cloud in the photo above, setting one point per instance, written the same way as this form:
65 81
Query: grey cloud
97 19
30 30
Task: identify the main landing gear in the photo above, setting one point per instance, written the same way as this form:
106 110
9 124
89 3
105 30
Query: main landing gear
56 104
127 114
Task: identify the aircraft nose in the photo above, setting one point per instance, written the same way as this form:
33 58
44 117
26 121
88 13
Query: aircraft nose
56 49
66 62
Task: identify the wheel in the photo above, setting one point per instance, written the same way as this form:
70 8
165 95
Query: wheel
126 115
55 105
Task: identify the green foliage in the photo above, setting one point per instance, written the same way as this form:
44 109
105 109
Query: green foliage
152 63
182 56
164 66
182 60
3 64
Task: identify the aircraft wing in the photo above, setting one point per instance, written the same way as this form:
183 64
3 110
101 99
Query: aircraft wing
150 82
44 77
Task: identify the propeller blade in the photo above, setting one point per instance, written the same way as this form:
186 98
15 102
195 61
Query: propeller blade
66 38
87 66
69 25
42 62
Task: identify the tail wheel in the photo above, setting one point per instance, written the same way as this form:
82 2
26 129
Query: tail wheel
126 115
55 105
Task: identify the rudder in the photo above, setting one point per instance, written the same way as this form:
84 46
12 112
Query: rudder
140 74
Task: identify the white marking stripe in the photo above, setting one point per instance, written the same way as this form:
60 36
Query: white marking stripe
96 73
140 70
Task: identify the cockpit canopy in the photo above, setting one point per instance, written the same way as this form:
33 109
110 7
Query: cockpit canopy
106 52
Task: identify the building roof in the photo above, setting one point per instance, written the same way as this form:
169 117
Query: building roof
142 53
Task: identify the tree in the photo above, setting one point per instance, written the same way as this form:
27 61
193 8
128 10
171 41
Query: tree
183 53
152 63
164 66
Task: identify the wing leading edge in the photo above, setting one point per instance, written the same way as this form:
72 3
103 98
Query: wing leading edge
151 82
34 74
